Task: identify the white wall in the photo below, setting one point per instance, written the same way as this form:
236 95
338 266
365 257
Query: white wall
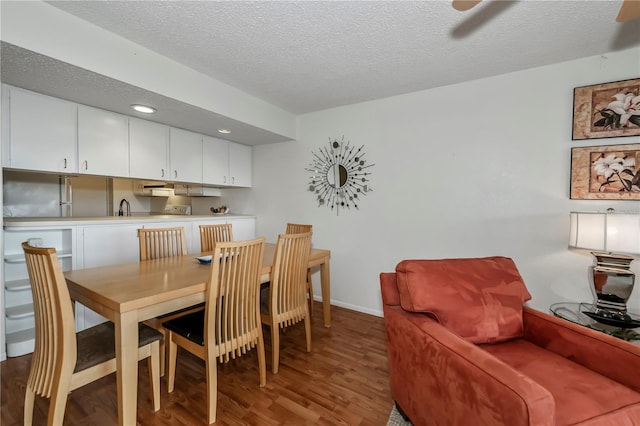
475 169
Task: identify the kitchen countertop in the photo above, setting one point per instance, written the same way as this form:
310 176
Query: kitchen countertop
57 221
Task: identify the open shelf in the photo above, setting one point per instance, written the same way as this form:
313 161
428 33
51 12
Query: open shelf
19 257
19 311
18 285
20 342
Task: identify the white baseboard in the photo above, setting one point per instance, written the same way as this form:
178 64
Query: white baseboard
375 312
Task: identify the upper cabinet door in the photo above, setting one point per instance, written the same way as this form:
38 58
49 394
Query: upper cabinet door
215 161
240 164
42 133
186 156
148 150
103 142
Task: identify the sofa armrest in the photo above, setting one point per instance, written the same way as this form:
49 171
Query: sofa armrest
437 377
599 352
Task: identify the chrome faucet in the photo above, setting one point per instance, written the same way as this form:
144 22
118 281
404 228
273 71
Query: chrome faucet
125 202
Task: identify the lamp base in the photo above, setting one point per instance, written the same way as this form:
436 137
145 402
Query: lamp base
612 281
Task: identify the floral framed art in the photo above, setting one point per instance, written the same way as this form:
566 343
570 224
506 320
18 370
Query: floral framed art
606 110
610 172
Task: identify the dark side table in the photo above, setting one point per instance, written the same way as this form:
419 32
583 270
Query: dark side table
583 313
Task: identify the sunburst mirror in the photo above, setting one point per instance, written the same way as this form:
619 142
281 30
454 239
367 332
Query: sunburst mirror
338 175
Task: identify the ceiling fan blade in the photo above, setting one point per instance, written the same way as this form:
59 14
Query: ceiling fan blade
629 10
463 5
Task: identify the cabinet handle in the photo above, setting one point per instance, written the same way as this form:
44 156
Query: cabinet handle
162 173
86 164
233 180
175 174
65 163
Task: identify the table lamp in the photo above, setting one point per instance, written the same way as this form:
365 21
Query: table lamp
613 238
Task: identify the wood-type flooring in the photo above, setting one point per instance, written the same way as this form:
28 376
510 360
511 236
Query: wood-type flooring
343 381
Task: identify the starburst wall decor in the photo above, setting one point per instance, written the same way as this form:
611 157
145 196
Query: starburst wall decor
338 176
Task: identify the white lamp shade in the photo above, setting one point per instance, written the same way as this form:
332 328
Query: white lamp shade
610 232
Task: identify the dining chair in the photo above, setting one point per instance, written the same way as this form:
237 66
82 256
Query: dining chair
212 234
298 228
230 324
64 360
284 301
162 242
158 243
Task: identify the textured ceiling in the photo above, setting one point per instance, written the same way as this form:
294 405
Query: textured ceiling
310 55
306 56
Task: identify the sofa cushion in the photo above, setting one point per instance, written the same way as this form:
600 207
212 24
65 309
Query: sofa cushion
480 299
581 395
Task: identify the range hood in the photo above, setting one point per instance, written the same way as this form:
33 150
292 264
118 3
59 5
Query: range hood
153 188
168 189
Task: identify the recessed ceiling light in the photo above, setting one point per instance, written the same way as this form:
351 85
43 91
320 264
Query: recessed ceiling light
143 109
224 131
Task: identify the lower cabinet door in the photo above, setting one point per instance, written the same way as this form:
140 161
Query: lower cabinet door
104 245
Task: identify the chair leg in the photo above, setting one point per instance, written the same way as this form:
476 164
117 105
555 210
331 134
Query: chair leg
275 347
173 353
310 290
58 402
154 374
262 364
29 399
307 330
164 350
212 389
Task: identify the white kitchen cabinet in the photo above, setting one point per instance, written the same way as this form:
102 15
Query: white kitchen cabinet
103 142
18 300
46 134
185 156
244 228
102 245
148 150
41 132
215 161
240 164
226 163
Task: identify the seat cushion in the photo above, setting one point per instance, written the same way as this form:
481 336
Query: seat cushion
480 299
97 344
581 395
190 326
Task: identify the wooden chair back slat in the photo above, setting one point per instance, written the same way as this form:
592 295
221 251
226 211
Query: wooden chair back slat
298 228
162 242
288 301
55 345
232 313
212 234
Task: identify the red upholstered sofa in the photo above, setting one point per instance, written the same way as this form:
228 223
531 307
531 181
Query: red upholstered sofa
464 350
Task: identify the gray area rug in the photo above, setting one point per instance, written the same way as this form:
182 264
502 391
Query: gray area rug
395 418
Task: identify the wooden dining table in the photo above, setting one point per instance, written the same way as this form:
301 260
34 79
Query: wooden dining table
130 293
